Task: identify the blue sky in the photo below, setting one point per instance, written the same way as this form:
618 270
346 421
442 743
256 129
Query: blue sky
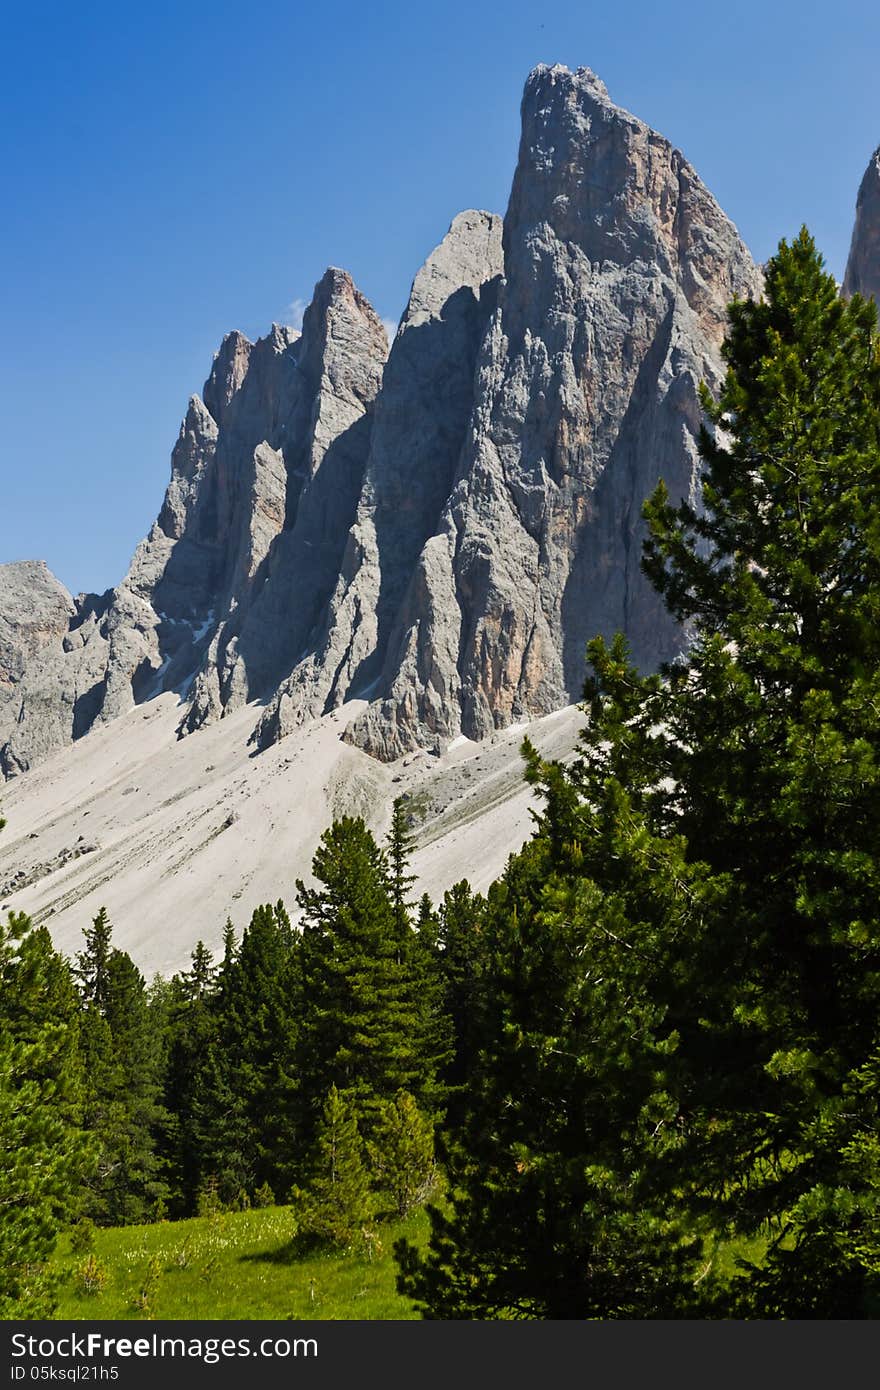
180 169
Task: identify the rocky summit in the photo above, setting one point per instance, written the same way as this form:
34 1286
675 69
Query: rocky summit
863 266
431 534
618 266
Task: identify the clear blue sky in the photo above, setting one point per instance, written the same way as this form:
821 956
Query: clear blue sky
175 170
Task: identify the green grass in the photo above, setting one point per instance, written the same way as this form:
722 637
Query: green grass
240 1265
234 1265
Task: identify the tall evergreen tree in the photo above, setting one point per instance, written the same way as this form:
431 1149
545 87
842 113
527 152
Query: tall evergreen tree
43 1153
461 943
362 1023
336 1205
123 1057
243 1119
771 749
190 1032
198 982
685 961
230 949
399 848
418 955
553 1195
92 963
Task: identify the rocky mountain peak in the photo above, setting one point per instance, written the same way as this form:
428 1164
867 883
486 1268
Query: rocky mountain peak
618 268
344 343
437 530
417 430
299 480
468 256
265 477
863 266
227 373
546 76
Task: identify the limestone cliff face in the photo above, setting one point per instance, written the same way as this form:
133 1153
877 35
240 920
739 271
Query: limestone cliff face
440 530
270 460
52 658
300 496
419 425
35 609
618 267
863 267
36 614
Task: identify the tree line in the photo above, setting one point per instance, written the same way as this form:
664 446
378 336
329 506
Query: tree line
228 1084
650 1055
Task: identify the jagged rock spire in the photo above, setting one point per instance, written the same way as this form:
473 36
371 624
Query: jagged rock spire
863 266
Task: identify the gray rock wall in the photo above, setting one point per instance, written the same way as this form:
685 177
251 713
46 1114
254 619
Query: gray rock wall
418 428
265 478
618 267
863 266
442 529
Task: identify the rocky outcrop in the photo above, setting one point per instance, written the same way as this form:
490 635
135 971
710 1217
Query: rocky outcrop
265 478
35 609
863 267
418 429
439 531
302 487
618 267
45 690
58 693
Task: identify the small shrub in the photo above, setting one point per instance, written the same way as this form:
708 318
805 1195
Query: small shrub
144 1301
336 1204
208 1202
90 1276
402 1154
183 1255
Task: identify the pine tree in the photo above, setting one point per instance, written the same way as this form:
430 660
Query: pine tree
190 1035
400 841
436 1034
199 981
567 1118
362 1024
43 1153
92 963
772 754
240 1106
461 957
418 955
336 1206
230 947
123 1055
402 1153
683 975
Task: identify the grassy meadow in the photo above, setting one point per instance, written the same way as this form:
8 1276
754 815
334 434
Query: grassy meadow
231 1265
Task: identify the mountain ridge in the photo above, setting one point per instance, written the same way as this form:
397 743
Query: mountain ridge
440 527
375 565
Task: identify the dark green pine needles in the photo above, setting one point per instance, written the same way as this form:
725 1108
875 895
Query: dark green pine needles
366 1024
